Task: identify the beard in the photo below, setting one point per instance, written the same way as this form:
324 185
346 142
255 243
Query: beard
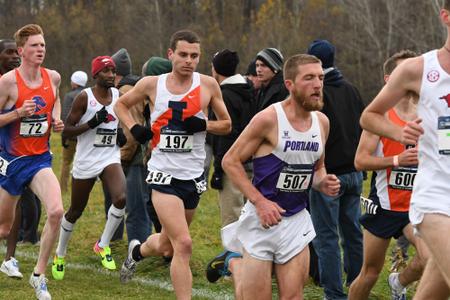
306 103
105 84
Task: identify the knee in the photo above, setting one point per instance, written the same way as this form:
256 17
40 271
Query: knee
4 231
183 245
73 215
369 275
55 215
119 201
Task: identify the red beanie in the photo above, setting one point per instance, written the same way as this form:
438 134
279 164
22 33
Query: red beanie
101 62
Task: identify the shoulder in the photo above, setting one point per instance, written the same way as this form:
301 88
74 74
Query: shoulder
147 82
208 81
54 76
265 119
411 68
323 119
8 78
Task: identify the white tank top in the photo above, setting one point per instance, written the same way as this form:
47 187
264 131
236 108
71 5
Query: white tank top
174 151
431 187
99 143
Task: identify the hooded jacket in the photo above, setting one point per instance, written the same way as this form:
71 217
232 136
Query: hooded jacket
238 97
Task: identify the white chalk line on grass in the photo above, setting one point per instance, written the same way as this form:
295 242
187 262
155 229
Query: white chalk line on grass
157 283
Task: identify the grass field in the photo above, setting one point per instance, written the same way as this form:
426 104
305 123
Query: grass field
85 278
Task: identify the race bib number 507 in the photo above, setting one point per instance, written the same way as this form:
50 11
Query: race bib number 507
294 179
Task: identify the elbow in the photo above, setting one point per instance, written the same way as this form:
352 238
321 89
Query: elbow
227 127
226 162
359 165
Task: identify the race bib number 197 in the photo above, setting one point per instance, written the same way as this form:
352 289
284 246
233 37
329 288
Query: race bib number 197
157 177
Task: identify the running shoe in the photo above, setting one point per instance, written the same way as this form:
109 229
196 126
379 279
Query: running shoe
218 266
105 254
11 268
40 287
129 265
58 268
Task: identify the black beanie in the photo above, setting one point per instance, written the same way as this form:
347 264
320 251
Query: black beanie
123 62
225 62
323 50
272 58
251 69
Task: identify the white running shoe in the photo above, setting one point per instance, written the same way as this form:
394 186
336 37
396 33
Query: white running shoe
129 265
11 268
40 287
396 294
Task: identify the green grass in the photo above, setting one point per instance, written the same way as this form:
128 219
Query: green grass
85 278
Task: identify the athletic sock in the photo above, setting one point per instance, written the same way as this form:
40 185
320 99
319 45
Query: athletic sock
136 253
396 283
65 233
115 216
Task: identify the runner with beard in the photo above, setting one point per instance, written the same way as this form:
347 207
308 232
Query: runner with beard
286 141
94 123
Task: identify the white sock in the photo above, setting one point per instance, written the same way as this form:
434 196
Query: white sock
65 233
396 282
115 216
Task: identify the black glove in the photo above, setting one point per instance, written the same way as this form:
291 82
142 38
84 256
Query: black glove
121 139
217 180
194 124
99 117
141 133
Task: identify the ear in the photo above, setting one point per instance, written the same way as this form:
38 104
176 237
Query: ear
289 84
170 53
445 16
386 78
20 51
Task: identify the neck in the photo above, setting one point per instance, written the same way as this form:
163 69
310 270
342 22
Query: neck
100 91
30 72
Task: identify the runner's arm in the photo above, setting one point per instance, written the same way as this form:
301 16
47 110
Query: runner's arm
27 109
223 124
79 107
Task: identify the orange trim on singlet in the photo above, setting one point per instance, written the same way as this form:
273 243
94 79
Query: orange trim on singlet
44 98
193 106
399 199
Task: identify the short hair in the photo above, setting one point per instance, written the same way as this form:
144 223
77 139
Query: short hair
290 70
446 4
21 36
4 42
391 63
183 35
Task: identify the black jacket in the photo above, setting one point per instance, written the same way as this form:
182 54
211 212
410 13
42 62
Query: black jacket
274 92
343 107
238 97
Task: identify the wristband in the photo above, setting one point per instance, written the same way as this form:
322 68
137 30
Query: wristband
395 161
17 112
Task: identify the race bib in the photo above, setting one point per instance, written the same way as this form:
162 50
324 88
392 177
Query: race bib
175 141
33 126
158 177
3 166
105 137
369 206
444 135
294 179
402 178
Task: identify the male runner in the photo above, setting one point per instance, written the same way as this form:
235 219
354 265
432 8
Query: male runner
386 217
94 123
428 78
178 101
29 100
286 141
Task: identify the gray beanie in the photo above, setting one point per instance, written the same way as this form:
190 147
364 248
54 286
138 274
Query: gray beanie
123 62
272 57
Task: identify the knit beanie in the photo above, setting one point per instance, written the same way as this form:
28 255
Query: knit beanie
272 58
225 62
157 66
251 69
123 62
323 50
101 62
79 78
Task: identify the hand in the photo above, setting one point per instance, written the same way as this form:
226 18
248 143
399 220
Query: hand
217 181
194 124
121 139
330 185
411 132
27 109
58 125
408 157
269 212
99 117
141 133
